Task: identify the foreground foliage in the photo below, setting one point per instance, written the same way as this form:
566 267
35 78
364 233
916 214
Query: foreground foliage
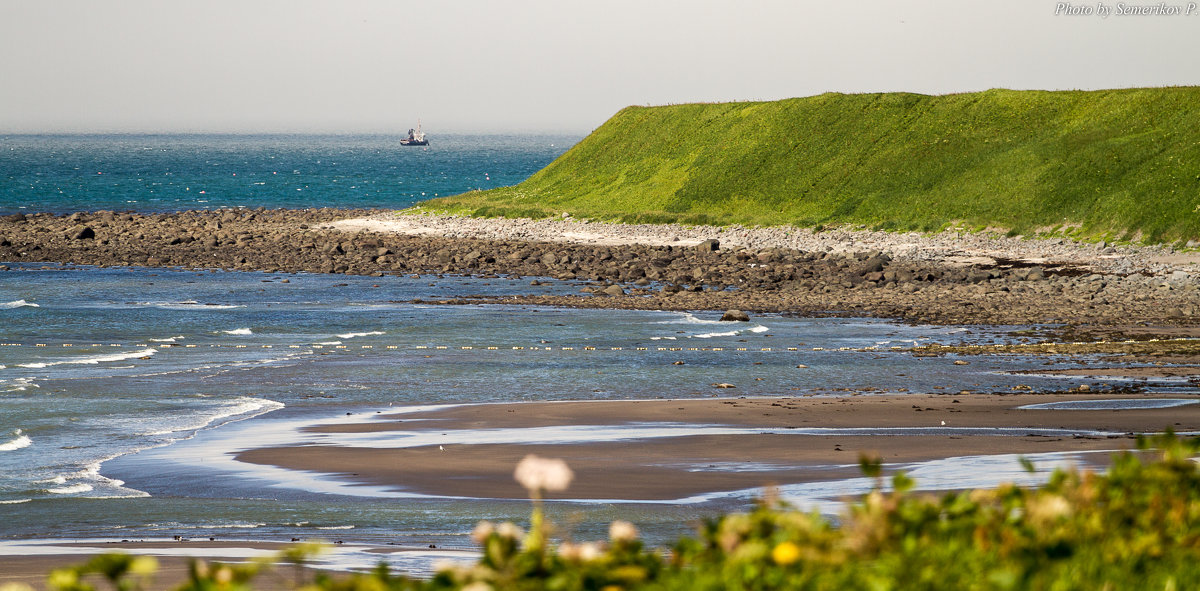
1111 164
1137 526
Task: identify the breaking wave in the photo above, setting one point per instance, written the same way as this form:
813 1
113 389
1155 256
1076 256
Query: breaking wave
71 490
18 304
21 441
94 359
351 335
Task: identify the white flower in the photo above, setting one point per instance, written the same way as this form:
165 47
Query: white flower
547 474
568 551
584 552
510 530
622 531
589 551
482 531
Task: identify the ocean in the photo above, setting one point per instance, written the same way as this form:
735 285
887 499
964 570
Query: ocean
124 390
165 173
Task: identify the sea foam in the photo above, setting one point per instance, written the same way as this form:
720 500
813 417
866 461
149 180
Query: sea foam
351 335
239 331
18 304
21 441
70 490
244 407
94 359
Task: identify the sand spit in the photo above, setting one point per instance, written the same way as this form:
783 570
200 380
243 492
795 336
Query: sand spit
947 278
783 440
955 248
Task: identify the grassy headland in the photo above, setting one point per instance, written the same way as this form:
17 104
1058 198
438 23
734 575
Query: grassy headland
1112 164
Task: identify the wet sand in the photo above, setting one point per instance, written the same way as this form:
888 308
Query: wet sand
680 467
1165 371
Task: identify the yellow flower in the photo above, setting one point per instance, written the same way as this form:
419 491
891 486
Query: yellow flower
785 553
143 565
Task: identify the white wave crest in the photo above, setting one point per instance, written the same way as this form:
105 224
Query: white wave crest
689 318
328 343
15 501
337 527
239 331
732 333
20 442
709 335
94 359
244 407
351 335
18 304
70 490
186 305
168 339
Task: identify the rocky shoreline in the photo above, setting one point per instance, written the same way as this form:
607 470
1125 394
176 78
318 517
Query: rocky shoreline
920 279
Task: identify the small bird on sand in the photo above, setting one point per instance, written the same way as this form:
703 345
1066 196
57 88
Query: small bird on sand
440 448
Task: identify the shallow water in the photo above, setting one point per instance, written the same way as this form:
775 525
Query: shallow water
186 366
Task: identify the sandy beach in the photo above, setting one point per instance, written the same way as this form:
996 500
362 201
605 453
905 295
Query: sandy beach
649 466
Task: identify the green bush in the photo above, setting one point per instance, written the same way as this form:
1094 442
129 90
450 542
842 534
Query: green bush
1136 526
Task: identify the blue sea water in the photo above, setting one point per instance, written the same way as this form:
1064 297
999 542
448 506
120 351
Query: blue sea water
164 173
123 390
111 380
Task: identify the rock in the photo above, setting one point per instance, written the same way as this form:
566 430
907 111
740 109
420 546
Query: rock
710 245
81 232
614 290
735 316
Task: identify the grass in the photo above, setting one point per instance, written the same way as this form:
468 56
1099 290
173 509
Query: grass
1118 165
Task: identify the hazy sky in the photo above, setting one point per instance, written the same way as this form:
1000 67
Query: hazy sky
556 65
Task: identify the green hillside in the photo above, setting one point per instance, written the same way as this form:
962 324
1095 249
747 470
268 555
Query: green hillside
1115 164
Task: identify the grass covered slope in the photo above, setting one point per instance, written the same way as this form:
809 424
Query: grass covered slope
1117 164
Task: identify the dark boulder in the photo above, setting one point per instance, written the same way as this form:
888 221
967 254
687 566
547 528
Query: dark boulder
81 232
735 316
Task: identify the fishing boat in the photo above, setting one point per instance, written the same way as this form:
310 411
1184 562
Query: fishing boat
416 137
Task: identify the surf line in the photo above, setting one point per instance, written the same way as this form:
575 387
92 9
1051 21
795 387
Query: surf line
465 347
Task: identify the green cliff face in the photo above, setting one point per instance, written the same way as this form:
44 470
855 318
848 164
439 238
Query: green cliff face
1114 164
